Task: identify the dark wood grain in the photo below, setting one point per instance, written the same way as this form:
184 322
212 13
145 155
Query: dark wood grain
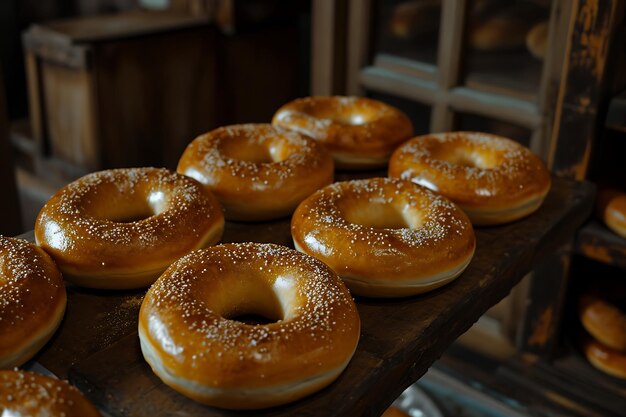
583 86
542 324
596 241
400 338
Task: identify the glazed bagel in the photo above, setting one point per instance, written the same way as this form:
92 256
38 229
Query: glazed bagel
495 180
32 300
121 228
360 132
27 394
257 171
612 210
192 342
604 358
385 237
603 320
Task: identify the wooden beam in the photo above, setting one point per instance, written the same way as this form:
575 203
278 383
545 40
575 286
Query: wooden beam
448 60
328 36
358 43
582 86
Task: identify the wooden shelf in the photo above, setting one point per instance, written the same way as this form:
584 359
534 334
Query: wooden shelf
566 386
571 383
596 241
97 345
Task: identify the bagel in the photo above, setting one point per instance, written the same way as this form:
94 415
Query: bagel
191 337
385 237
121 228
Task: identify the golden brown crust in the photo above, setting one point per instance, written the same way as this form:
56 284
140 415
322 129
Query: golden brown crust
345 225
257 171
360 132
29 394
193 347
603 320
493 179
88 227
604 358
32 300
612 210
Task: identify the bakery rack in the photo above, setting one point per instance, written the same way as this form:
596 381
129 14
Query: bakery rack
556 106
97 346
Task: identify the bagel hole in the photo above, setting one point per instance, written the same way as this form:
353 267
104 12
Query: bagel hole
253 319
124 211
472 159
350 120
255 304
244 150
382 216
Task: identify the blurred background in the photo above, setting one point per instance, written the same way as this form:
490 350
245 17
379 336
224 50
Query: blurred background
95 84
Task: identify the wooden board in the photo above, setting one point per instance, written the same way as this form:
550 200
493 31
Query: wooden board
598 242
107 27
400 338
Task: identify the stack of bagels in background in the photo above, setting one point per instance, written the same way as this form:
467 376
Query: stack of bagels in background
601 305
602 315
394 236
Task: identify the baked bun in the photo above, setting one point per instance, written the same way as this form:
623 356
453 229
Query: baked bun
192 339
257 171
493 179
32 300
385 237
27 394
361 133
121 228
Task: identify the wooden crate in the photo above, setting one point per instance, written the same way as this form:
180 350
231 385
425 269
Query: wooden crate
122 90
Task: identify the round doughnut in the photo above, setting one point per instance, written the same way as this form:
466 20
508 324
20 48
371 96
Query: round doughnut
604 358
190 336
603 320
385 237
121 228
612 210
257 171
495 180
32 300
27 394
360 132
